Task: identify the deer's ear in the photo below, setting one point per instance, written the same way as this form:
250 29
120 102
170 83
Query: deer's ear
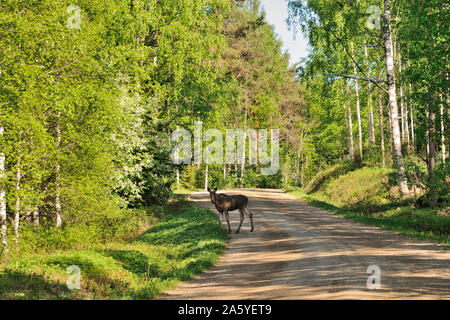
215 189
209 189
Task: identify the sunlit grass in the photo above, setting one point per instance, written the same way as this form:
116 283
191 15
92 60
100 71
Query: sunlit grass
401 216
183 244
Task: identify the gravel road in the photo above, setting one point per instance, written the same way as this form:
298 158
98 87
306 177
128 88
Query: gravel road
302 252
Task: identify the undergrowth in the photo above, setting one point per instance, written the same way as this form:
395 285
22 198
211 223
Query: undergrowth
177 246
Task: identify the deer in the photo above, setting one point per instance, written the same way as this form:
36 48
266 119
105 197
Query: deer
225 203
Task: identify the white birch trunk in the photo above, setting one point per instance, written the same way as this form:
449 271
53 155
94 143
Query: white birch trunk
58 175
351 148
3 225
390 70
297 168
380 110
427 134
206 177
413 136
17 207
403 105
432 154
443 135
36 217
369 100
245 136
358 111
224 172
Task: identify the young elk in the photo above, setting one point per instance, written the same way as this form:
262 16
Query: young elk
225 203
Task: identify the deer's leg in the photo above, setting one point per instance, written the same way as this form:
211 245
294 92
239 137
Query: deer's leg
242 220
220 219
227 216
251 219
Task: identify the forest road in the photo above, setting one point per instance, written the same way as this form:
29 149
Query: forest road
302 252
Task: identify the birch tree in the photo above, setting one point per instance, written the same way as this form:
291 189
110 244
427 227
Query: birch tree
3 221
393 106
358 106
350 126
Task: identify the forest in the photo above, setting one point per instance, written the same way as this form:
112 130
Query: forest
91 92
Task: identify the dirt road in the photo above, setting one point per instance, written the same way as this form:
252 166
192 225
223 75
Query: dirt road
301 252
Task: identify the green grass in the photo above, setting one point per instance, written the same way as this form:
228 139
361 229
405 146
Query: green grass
184 243
399 216
323 178
369 195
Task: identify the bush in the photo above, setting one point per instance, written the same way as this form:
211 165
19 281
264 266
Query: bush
322 179
99 229
415 170
441 185
192 177
174 249
363 187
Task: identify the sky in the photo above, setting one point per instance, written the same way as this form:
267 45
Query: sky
276 15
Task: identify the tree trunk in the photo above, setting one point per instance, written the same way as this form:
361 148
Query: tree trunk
351 148
3 225
369 100
380 110
297 168
358 111
178 179
390 69
413 137
58 209
206 177
402 110
403 105
245 136
224 173
408 140
17 190
427 132
432 154
306 167
442 132
36 217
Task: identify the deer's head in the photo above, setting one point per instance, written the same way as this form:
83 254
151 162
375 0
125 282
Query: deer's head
212 194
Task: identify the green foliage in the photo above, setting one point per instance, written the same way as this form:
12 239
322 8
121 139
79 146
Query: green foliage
346 51
415 170
87 232
87 111
174 249
441 185
360 188
258 90
325 177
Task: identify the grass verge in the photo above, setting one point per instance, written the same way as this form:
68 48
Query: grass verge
184 243
399 216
